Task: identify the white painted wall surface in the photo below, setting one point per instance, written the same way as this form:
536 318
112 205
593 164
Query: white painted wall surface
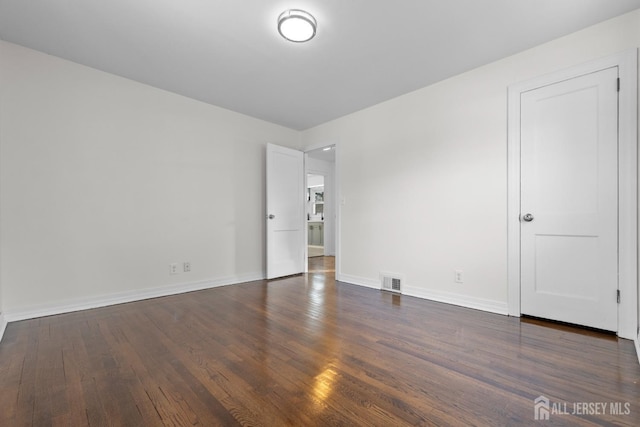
3 322
424 175
105 182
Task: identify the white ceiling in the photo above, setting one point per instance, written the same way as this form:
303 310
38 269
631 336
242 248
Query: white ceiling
229 53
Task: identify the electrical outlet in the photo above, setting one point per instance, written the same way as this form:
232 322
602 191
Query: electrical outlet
173 268
458 276
186 266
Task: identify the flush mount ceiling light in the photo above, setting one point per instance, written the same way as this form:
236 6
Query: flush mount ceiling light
296 25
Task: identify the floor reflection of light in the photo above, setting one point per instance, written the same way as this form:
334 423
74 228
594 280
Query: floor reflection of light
316 299
317 283
324 384
316 296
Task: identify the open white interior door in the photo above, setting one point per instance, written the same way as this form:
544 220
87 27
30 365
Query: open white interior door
285 211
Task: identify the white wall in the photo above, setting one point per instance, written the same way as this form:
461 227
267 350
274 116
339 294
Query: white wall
3 321
105 181
424 175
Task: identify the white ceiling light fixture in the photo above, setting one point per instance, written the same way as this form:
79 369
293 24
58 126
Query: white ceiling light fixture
297 25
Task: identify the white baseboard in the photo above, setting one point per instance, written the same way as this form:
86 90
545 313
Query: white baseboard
3 325
124 297
360 281
491 306
637 341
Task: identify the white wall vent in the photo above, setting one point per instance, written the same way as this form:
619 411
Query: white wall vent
391 282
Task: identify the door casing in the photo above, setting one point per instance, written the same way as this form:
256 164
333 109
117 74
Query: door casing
627 179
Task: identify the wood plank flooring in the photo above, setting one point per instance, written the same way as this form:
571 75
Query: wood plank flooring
306 351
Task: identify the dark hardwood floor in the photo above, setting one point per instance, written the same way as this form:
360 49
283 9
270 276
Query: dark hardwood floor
307 351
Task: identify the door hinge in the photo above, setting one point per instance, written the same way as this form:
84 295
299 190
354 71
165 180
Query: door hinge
618 84
618 295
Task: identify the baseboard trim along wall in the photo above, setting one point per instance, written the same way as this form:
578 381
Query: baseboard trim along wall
637 341
3 325
360 281
491 306
125 297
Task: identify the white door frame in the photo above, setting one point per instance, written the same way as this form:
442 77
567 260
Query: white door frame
337 201
627 63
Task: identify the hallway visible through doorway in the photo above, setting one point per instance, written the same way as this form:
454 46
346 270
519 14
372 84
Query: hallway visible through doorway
323 265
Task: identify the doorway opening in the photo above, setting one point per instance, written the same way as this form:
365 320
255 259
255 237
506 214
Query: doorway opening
321 209
315 215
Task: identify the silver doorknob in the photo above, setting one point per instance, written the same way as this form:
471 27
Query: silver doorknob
271 216
527 217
